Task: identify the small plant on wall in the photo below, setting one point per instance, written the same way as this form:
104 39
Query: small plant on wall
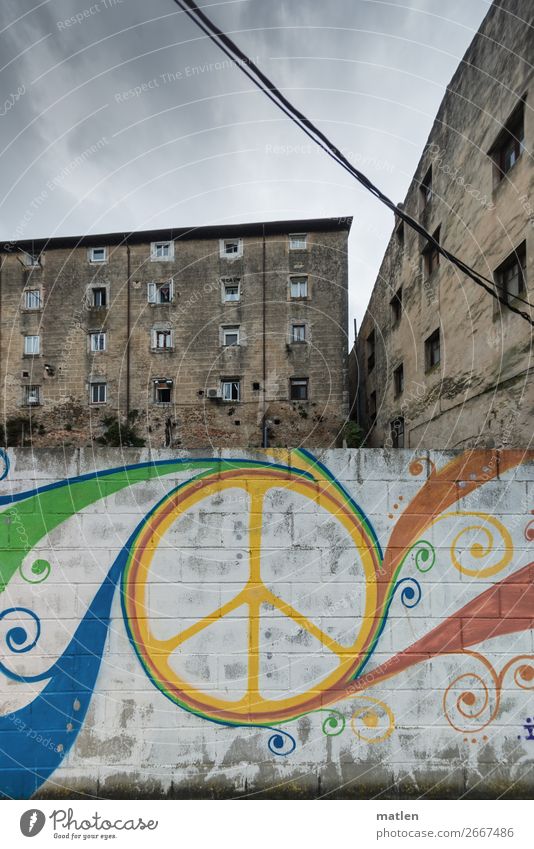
353 435
121 432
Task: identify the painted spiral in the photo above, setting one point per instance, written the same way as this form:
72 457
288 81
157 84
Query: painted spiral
523 671
281 743
490 536
424 555
524 676
333 724
372 721
17 639
467 703
39 572
410 594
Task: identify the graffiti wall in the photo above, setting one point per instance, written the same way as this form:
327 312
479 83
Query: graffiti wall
248 623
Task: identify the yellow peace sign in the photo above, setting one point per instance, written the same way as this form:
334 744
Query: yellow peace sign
157 653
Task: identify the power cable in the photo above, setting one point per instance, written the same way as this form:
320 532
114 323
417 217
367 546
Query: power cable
251 70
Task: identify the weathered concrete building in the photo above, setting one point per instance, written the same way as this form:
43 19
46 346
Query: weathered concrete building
441 362
226 335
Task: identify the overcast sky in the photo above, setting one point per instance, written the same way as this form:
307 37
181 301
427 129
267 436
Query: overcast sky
199 145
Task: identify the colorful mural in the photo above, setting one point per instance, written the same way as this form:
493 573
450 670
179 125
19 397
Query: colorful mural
162 621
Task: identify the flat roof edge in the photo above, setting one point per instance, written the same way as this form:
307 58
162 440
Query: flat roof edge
184 233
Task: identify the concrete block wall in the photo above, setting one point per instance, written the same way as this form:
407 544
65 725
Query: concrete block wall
273 623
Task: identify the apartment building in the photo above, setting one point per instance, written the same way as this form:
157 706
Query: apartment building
441 363
208 336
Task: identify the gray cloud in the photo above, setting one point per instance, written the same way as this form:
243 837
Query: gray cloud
196 144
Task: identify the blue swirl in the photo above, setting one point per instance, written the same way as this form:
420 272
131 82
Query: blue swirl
58 712
16 637
5 460
410 595
278 742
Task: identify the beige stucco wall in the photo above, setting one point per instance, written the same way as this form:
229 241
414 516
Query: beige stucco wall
482 392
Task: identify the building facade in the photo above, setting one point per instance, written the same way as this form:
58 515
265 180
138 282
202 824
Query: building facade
232 335
443 364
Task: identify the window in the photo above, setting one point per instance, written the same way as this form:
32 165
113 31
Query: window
32 345
371 410
32 260
162 340
298 332
231 288
230 336
432 350
98 392
371 351
397 432
510 276
431 255
160 293
298 389
509 144
98 254
398 379
98 341
399 233
426 188
298 241
32 299
161 250
231 389
396 306
32 395
99 297
231 248
162 391
299 287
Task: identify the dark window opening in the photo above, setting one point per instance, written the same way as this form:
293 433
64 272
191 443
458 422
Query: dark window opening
163 391
398 379
299 389
426 188
162 340
509 144
371 351
298 333
231 390
99 297
98 393
431 255
510 276
396 306
397 432
371 410
433 350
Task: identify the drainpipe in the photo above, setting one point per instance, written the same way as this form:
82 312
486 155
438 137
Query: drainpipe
128 299
265 432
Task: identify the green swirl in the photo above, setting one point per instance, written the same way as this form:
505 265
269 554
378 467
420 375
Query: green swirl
40 568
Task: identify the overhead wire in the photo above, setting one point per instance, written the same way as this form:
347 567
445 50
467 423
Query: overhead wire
261 81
